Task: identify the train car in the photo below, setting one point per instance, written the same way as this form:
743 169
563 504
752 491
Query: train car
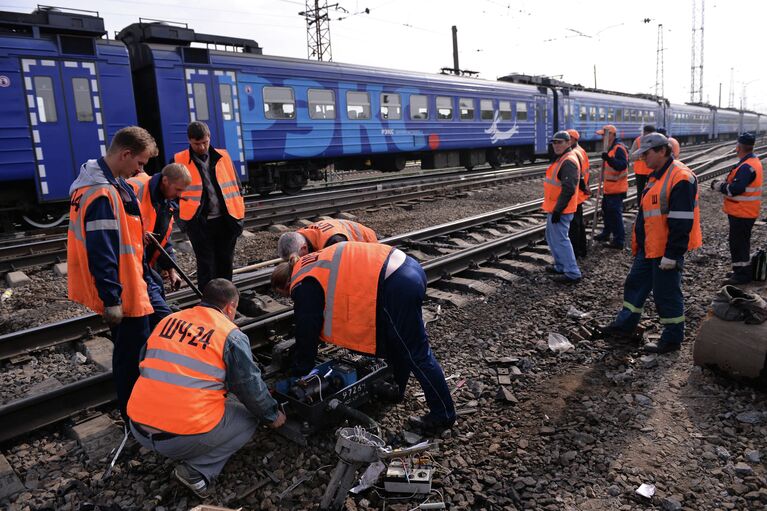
727 124
750 122
291 117
690 124
64 92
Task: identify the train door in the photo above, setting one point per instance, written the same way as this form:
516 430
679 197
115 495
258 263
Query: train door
541 125
213 100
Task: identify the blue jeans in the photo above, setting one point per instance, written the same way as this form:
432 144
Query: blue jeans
558 239
405 340
156 290
666 286
612 212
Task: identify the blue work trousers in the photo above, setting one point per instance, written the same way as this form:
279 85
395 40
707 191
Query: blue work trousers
156 290
128 337
666 286
612 213
406 343
558 239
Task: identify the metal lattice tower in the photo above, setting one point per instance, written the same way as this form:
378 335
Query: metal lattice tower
659 80
318 29
731 102
696 66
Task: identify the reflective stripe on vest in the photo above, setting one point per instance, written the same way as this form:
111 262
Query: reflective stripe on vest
640 167
585 172
616 181
552 186
748 204
226 178
141 186
319 233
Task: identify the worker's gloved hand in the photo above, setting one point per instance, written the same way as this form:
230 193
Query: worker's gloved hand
715 184
113 315
174 281
667 264
605 156
555 216
279 421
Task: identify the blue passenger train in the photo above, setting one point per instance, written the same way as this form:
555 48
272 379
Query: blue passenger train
65 90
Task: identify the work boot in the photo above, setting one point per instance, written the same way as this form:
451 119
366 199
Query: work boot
192 479
737 279
661 347
550 268
564 279
602 237
612 332
614 246
427 425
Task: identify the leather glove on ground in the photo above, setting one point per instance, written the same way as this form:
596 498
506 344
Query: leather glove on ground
667 264
555 216
605 156
715 184
113 315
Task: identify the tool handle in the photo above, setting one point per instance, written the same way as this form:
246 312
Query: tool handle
175 265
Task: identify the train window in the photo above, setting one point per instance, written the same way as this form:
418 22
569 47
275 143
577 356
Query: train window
584 114
322 104
419 107
486 112
521 111
610 114
602 113
279 103
83 103
46 103
200 95
227 105
466 106
358 105
444 108
504 109
391 106
618 115
652 116
593 113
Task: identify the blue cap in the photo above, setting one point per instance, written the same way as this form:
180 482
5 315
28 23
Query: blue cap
747 138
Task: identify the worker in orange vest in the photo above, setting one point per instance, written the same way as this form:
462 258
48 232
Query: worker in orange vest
616 184
742 192
641 170
577 232
675 148
157 196
212 207
366 297
105 251
666 228
180 407
560 201
321 235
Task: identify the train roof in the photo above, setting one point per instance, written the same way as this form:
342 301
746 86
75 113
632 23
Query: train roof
687 107
52 21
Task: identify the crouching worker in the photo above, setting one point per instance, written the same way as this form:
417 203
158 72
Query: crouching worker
179 406
366 297
321 235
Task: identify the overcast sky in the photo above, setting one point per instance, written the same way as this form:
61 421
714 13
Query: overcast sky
496 37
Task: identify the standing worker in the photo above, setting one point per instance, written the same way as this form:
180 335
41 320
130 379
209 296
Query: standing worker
667 226
641 170
105 250
675 148
212 207
321 235
560 201
577 232
616 179
742 202
157 196
366 297
179 406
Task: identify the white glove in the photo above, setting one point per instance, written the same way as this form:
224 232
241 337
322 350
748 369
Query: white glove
113 315
667 264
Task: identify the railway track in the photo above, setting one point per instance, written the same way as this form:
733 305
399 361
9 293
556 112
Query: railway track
19 253
494 239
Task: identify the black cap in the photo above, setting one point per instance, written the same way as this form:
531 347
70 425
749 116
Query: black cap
662 131
561 135
747 138
649 128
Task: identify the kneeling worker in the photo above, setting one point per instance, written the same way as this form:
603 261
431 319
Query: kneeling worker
367 297
179 406
321 235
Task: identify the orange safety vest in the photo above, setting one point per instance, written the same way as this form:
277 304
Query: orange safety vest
81 285
748 203
640 167
348 273
675 149
319 233
655 212
552 186
616 181
584 167
140 185
227 180
181 387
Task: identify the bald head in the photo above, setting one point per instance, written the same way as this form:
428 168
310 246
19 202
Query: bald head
291 243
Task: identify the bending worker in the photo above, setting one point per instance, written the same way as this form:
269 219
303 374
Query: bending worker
742 192
366 297
560 201
179 406
105 251
667 226
212 207
157 196
641 170
321 235
616 179
577 232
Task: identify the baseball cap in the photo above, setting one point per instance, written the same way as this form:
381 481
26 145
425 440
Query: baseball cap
650 141
574 134
608 127
561 135
747 139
